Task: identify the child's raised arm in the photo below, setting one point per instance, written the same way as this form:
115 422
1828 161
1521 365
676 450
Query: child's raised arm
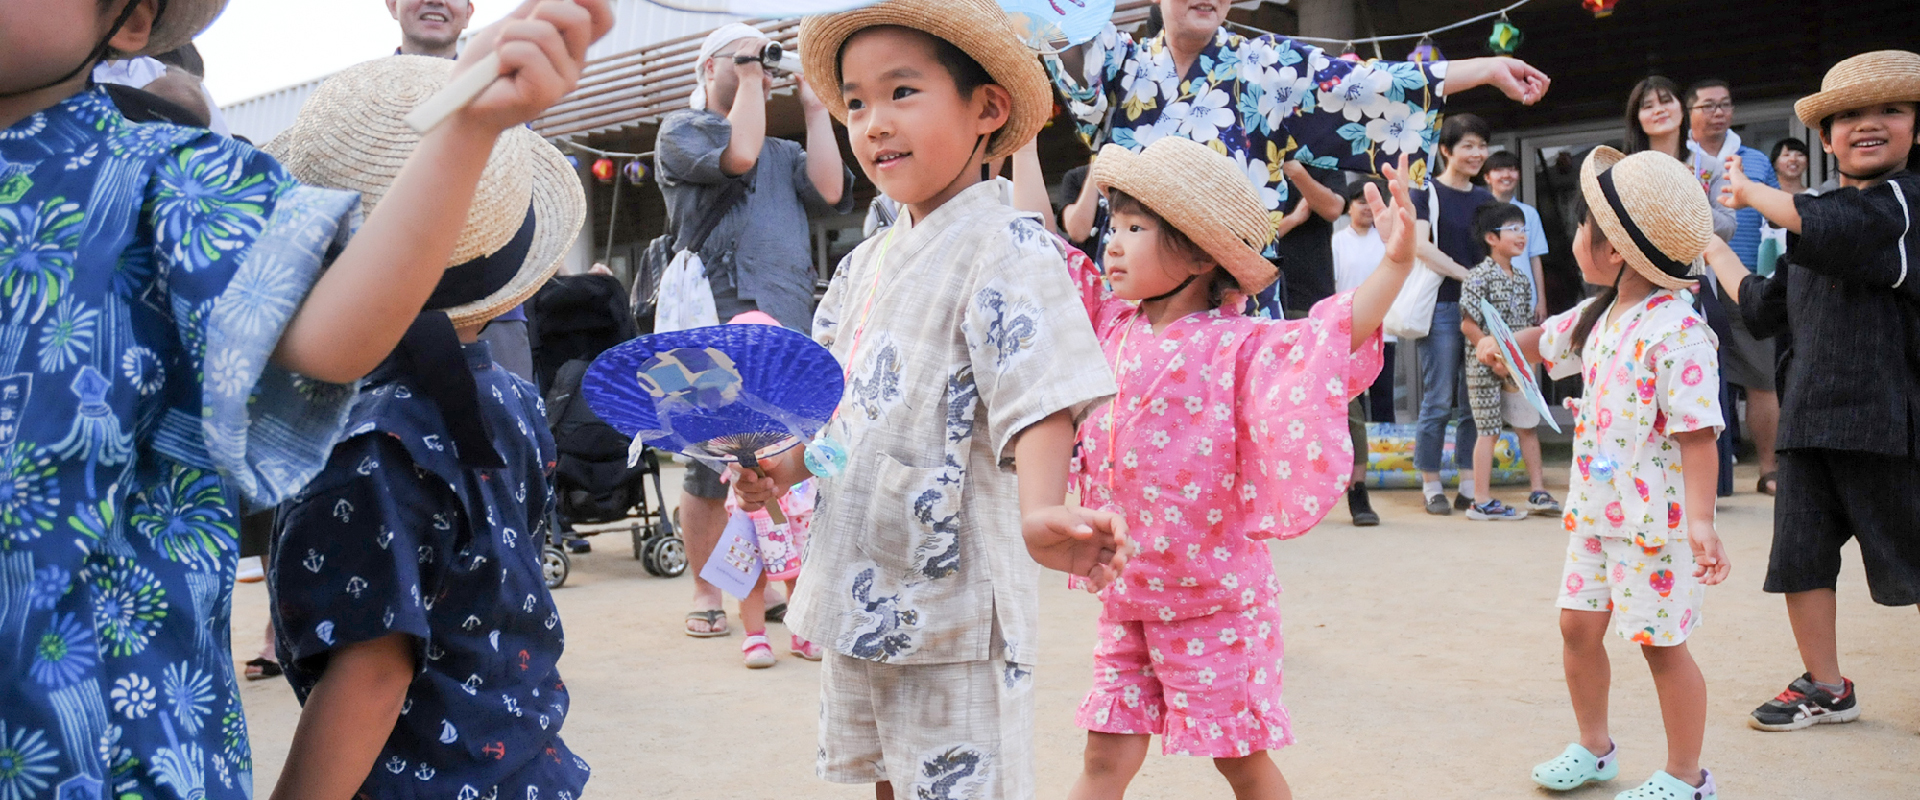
1774 204
1397 229
365 301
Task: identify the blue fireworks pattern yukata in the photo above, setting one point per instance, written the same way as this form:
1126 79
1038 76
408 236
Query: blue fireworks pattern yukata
146 273
396 536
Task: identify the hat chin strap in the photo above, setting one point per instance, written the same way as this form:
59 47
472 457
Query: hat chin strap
1176 290
99 50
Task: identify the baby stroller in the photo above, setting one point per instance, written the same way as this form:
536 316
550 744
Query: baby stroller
571 321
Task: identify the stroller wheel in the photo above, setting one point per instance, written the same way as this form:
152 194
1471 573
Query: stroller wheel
554 566
667 558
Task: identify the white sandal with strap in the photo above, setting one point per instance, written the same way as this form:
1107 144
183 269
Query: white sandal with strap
757 653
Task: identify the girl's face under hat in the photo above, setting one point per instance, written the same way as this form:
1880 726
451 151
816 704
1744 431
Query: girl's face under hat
1141 262
1872 140
913 132
40 40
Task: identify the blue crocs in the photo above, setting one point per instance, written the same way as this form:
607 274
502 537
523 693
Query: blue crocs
1666 787
1578 767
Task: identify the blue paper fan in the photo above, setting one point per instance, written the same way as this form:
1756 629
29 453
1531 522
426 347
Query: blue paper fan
723 393
1050 26
1517 365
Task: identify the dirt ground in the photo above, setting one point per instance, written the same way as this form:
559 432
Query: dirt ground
1423 661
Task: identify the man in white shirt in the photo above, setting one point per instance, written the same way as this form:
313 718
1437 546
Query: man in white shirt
1357 250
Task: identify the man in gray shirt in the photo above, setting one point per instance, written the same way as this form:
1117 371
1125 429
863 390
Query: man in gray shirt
759 256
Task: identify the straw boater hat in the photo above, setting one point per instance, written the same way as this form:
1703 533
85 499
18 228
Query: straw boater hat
1201 193
350 135
179 22
1882 76
978 27
1652 210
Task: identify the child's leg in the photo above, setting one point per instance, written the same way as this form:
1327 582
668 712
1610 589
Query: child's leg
753 609
1530 451
1814 616
1683 707
1483 466
1589 674
1254 777
1111 761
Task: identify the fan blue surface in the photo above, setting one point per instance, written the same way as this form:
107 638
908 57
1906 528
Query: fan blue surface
716 392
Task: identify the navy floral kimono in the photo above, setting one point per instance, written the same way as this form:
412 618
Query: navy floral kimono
396 535
1259 101
146 273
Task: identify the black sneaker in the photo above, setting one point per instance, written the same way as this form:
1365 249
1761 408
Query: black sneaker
1804 705
1462 502
1362 511
1437 505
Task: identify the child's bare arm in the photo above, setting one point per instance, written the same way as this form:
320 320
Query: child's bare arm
1396 222
347 719
1078 216
1030 186
365 301
1077 541
1326 203
1774 204
1487 351
1726 266
1700 469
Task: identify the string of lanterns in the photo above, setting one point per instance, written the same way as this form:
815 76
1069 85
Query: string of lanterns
1504 39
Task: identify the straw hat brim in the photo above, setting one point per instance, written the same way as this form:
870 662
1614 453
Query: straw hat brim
1882 76
560 209
182 21
978 27
1674 215
1170 179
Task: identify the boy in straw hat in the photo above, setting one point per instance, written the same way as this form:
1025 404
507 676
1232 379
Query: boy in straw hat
1190 639
408 597
1846 293
1639 512
966 356
169 345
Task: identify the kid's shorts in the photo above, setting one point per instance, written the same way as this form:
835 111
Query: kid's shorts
1830 496
1652 593
933 730
1209 685
1494 406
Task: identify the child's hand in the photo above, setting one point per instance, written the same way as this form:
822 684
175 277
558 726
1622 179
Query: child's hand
1079 541
542 47
1734 194
1395 221
753 488
1710 562
1487 351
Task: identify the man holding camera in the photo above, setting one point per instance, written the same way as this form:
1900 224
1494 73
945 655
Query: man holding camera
759 256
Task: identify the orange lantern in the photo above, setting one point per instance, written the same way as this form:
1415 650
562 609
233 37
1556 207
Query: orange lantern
603 170
1600 8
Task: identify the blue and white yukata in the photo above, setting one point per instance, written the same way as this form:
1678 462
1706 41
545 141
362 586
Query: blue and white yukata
396 535
146 274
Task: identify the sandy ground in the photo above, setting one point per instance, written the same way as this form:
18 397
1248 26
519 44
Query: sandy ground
1423 660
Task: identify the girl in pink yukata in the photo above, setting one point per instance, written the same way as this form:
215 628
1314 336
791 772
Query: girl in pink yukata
1227 430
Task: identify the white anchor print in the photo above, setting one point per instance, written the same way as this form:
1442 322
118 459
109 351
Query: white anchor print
470 623
385 538
425 772
396 765
313 561
343 510
387 618
433 443
367 466
510 537
468 793
472 685
355 586
528 606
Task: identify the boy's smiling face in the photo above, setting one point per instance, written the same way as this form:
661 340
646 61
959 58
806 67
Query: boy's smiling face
911 128
1871 141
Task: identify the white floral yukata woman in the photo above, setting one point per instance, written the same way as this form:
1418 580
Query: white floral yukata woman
146 273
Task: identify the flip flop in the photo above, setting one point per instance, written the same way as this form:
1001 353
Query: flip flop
716 620
777 612
261 669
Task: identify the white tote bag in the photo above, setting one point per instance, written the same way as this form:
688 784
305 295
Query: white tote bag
1411 315
686 301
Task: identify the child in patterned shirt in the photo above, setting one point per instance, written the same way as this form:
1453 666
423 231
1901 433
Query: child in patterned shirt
1227 431
1501 229
1640 509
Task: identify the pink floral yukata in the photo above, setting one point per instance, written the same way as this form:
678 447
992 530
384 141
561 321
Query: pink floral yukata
1230 430
1652 373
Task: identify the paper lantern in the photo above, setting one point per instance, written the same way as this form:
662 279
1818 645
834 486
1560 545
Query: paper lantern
1426 52
636 171
1600 8
603 170
573 161
1350 55
1505 38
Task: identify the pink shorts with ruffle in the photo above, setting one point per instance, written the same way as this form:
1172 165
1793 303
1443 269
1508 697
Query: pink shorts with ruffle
1210 685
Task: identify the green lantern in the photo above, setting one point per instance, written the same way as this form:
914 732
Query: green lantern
1506 37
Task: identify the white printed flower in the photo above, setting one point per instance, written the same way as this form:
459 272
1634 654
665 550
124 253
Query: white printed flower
1226 380
228 373
1195 405
1111 675
1189 582
1310 504
1202 118
1213 729
1286 88
1296 429
1313 451
1178 700
1222 412
1230 581
1158 406
1361 93
1214 516
1179 359
1100 716
1193 551
1172 514
1191 491
1336 387
1268 522
1206 372
1160 439
1156 585
1119 633
1196 647
1296 354
1228 636
133 696
1169 345
1131 460
1248 492
1150 494
1131 695
1283 470
1298 395
1205 446
1398 129
1166 615
1222 553
1263 179
1161 543
1246 596
1260 676
1266 629
1206 676
1146 517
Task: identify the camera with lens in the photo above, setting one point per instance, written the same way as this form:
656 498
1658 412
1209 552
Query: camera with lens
773 58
